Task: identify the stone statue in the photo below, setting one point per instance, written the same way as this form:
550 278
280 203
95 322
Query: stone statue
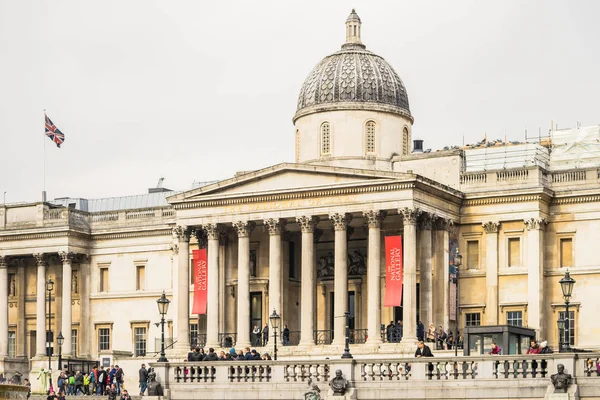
74 284
12 287
44 375
154 388
314 393
339 384
560 380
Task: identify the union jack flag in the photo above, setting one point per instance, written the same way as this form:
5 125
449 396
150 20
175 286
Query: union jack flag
53 132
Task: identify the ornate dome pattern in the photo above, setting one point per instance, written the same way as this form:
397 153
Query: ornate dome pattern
353 74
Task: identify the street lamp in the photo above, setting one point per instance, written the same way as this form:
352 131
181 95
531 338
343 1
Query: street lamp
275 318
60 339
49 335
561 329
163 307
566 285
347 344
457 263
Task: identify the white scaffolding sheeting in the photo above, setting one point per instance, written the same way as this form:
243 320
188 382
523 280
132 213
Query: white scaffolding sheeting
577 147
505 157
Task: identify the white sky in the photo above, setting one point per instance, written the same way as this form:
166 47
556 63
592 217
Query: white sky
195 90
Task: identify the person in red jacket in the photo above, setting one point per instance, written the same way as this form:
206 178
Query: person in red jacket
534 348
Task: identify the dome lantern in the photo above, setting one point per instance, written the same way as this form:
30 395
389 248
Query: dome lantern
353 31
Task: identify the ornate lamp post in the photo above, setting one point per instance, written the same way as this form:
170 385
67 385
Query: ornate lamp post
49 335
347 346
163 307
457 263
60 339
566 284
275 318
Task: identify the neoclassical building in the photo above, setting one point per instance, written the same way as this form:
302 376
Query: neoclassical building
307 238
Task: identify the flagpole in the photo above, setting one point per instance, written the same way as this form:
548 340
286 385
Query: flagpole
44 183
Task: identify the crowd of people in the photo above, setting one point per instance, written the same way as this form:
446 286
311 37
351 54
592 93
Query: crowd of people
198 354
443 339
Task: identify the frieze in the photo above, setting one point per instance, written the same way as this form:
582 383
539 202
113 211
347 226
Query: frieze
575 200
127 235
44 235
501 200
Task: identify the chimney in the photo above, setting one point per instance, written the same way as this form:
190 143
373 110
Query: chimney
417 146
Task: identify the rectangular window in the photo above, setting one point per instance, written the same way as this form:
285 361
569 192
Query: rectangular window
473 319
194 334
12 344
140 277
104 279
514 252
514 318
139 336
566 252
292 260
571 328
74 342
103 339
472 254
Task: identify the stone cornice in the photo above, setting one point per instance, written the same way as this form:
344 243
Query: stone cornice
576 199
134 234
43 235
503 200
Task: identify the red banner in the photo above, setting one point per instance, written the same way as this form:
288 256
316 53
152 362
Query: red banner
200 281
393 271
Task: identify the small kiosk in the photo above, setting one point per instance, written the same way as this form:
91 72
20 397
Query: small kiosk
511 339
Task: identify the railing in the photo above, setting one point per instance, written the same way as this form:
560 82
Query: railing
391 335
140 214
227 339
512 175
358 336
323 336
105 217
198 339
53 214
473 179
303 372
294 339
568 176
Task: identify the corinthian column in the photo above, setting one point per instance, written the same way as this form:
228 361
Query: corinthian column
276 226
212 306
243 229
182 233
426 304
308 309
4 307
491 271
374 220
340 225
409 309
535 274
67 316
40 339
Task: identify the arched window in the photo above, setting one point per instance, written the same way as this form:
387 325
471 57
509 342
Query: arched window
370 137
405 142
325 139
297 145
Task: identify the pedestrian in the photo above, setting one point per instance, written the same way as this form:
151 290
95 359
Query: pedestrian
112 392
496 350
28 384
118 380
399 331
211 356
71 383
441 338
544 349
286 335
420 331
266 357
51 395
256 335
423 350
534 348
449 340
189 355
78 383
101 385
93 378
389 331
431 333
232 354
248 356
255 355
86 384
125 395
143 373
265 335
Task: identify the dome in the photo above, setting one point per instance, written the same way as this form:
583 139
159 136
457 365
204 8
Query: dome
353 78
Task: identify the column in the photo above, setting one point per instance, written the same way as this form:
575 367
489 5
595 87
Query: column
243 229
442 273
67 314
223 240
3 307
409 335
535 274
491 271
212 305
85 339
40 342
426 304
182 233
374 221
275 226
308 288
21 322
340 224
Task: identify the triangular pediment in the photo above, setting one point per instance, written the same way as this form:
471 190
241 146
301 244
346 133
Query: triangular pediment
285 177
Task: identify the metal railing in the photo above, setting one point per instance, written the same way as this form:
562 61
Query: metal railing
227 339
358 336
391 335
324 336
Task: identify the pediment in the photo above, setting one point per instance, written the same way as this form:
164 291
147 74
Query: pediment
284 177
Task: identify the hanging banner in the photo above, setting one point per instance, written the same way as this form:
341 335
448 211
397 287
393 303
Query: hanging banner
200 281
393 271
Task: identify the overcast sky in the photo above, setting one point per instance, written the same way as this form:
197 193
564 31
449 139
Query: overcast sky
197 90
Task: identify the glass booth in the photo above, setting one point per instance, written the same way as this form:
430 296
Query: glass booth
511 339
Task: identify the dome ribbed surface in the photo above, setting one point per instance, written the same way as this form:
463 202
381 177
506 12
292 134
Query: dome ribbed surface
353 75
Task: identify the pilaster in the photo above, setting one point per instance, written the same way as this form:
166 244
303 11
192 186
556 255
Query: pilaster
491 276
535 274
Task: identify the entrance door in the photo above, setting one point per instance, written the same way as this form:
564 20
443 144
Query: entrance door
351 310
255 316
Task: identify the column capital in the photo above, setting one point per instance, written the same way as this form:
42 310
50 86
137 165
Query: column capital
40 259
536 224
410 215
374 218
442 224
340 221
426 221
317 235
66 257
275 225
244 228
491 226
308 223
3 262
211 231
182 233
